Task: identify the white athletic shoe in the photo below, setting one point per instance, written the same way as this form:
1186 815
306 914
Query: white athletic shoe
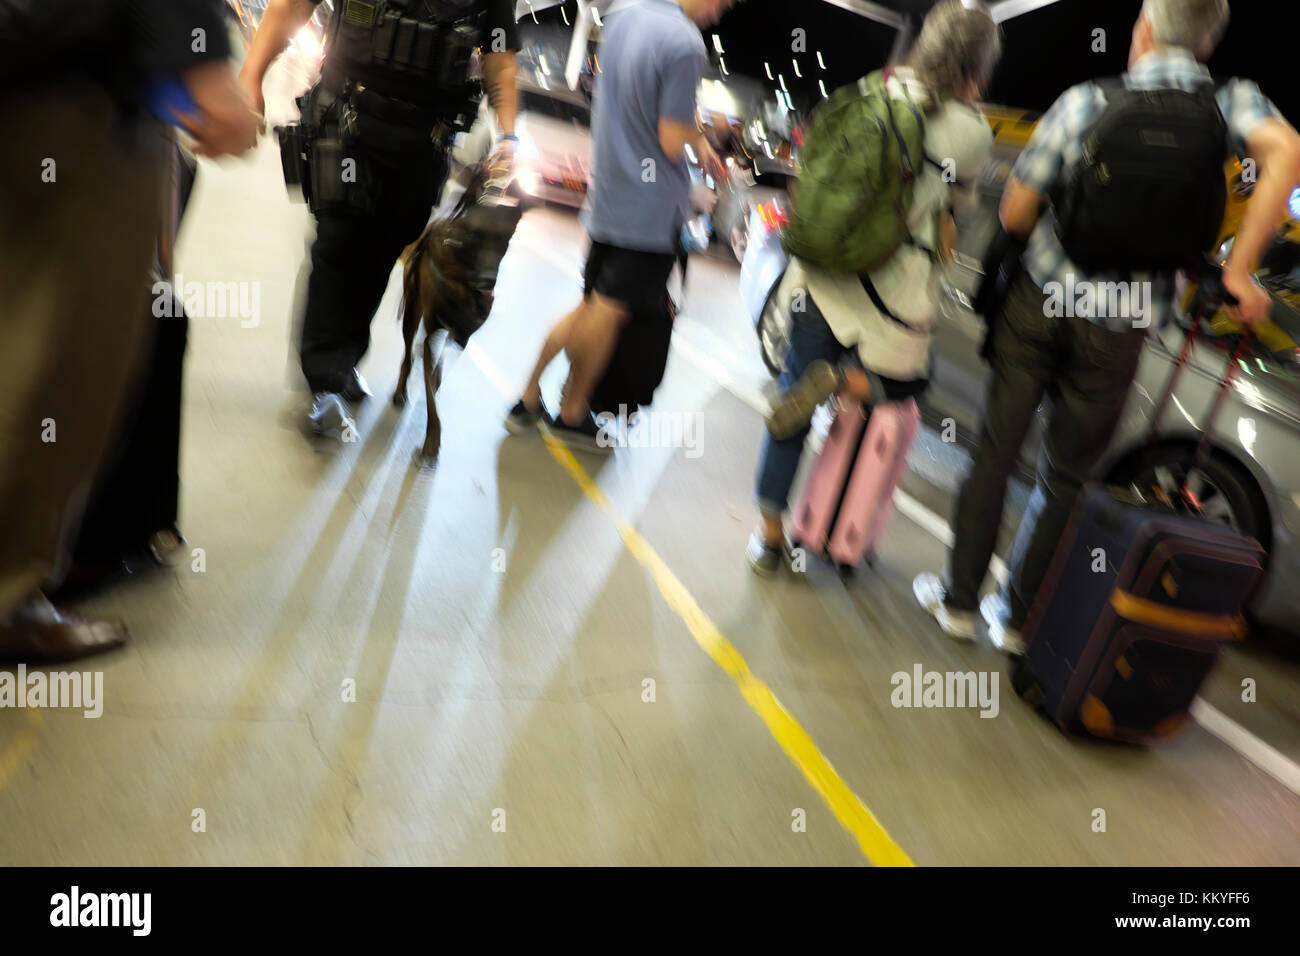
1006 639
930 593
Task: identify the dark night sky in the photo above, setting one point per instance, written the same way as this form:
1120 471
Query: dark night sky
1044 52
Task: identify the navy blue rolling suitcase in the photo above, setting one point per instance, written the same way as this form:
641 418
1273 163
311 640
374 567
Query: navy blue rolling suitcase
1140 596
1140 603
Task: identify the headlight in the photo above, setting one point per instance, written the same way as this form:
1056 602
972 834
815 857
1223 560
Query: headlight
1294 204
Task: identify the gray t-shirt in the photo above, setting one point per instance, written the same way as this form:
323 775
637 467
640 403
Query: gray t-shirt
652 58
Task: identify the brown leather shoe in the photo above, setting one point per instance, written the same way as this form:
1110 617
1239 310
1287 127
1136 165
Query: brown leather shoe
64 638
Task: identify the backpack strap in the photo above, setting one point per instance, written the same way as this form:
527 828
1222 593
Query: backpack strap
1111 85
882 78
879 303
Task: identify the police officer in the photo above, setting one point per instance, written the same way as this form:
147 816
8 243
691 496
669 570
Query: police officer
395 86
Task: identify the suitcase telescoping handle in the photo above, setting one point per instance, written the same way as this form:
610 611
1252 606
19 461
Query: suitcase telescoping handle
1211 295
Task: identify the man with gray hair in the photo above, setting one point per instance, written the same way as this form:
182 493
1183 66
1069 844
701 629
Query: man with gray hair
1079 233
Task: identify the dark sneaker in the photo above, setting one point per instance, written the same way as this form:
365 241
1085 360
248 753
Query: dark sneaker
587 435
764 558
794 410
355 390
164 546
329 417
521 419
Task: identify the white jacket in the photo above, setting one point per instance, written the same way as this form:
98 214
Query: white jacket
959 139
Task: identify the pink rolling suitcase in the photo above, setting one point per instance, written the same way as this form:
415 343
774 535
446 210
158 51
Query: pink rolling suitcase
848 499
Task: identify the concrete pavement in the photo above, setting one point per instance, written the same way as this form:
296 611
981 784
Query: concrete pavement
367 663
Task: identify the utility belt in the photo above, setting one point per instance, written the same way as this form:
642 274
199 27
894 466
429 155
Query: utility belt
380 35
350 137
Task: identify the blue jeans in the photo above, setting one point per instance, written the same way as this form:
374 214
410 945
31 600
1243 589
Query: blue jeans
811 339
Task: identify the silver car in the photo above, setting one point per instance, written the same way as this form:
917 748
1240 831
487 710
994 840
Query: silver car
553 160
1252 481
769 180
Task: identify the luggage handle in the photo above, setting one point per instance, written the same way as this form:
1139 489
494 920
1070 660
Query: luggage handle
1211 295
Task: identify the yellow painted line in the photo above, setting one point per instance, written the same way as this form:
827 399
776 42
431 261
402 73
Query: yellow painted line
848 808
18 749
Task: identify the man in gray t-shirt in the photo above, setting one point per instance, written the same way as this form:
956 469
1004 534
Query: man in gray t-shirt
655 59
652 57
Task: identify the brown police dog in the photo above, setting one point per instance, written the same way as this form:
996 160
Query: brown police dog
449 274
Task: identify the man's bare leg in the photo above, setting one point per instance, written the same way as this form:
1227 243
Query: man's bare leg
557 339
590 345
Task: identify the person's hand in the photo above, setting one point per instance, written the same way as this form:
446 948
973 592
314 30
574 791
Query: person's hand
947 238
711 163
226 123
1254 304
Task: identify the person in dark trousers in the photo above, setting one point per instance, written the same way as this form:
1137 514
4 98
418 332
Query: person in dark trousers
1086 363
130 525
80 212
388 102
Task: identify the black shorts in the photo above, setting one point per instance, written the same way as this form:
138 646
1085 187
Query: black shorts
637 279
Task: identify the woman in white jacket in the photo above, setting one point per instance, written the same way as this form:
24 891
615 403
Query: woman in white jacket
868 336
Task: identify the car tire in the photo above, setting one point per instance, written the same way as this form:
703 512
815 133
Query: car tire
740 239
773 335
1235 499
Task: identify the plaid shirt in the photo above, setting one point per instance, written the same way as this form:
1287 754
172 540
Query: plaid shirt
1056 148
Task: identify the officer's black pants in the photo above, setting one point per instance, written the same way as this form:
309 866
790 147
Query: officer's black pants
352 258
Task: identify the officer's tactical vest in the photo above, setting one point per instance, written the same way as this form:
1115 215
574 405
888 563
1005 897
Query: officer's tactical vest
415 50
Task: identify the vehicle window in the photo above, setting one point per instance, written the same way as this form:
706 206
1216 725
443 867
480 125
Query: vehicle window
772 180
555 108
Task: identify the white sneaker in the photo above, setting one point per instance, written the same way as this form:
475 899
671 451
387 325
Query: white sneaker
930 593
1006 639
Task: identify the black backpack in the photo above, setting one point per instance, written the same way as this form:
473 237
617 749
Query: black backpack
1150 192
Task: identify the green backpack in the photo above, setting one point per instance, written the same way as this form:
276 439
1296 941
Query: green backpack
860 163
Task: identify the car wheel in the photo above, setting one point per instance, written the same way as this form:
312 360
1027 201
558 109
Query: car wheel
1225 491
774 335
740 239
